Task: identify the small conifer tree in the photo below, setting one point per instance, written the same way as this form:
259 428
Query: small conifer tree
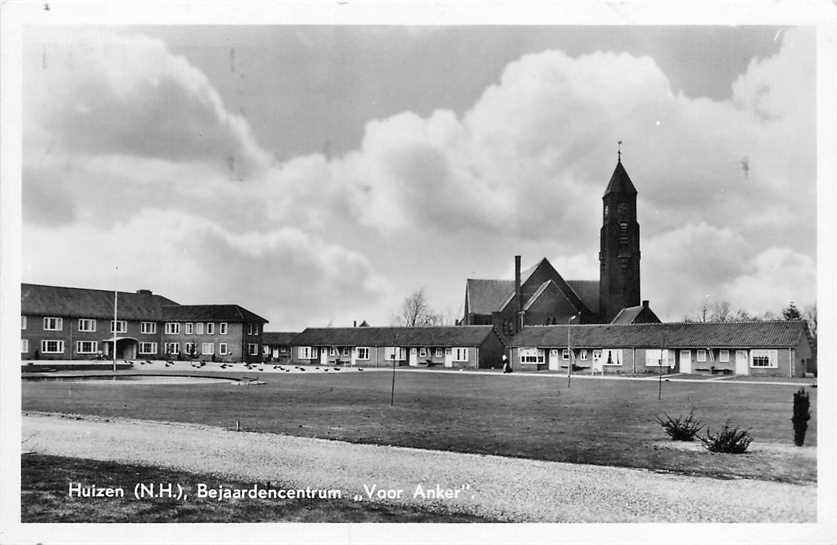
801 415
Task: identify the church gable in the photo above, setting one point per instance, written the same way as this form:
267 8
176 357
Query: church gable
549 305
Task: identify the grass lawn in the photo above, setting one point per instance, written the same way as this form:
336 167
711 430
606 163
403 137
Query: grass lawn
44 486
606 422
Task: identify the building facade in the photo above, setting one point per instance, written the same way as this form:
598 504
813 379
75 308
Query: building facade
452 347
777 348
277 345
64 323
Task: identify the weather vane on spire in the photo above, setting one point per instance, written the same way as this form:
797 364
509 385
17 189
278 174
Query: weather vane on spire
619 151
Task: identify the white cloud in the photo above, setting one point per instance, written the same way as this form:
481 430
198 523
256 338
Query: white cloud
285 273
117 125
92 92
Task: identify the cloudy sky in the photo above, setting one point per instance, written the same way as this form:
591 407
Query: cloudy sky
318 175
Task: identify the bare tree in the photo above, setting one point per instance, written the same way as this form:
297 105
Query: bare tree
809 314
719 311
416 311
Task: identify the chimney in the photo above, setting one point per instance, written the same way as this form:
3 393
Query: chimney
645 304
354 324
143 292
518 307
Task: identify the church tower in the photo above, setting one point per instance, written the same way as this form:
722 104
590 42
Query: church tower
619 246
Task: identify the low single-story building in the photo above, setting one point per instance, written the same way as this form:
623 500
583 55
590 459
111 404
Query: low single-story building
775 348
277 345
452 346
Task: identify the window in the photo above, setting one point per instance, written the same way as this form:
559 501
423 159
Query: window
439 353
531 355
565 354
24 345
764 358
612 356
172 328
222 349
222 328
87 347
53 324
422 352
121 326
86 324
210 328
723 356
460 354
305 352
207 348
582 355
701 355
188 328
362 353
52 347
148 328
654 357
199 328
189 348
23 322
253 349
332 351
345 352
252 329
147 348
283 349
172 348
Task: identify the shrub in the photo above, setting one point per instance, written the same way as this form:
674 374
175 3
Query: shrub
801 415
730 439
682 428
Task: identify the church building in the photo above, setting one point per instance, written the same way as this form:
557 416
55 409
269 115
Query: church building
539 295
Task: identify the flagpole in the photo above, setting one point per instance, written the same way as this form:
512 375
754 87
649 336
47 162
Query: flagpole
115 298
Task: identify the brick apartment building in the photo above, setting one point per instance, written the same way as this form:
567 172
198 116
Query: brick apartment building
65 323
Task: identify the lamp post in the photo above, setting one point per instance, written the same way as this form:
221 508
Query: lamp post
569 349
660 368
394 356
115 299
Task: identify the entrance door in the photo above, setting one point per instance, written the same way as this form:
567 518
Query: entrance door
323 356
554 361
448 357
685 361
741 363
414 356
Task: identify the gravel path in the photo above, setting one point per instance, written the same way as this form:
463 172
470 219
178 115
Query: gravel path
494 486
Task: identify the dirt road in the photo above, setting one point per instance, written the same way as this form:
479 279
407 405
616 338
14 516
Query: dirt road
493 486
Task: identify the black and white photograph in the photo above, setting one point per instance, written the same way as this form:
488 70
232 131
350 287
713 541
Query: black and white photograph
313 273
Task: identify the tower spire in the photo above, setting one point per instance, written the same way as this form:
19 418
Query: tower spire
619 152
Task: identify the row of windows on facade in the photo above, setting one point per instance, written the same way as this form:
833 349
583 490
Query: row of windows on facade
88 325
653 357
390 352
92 347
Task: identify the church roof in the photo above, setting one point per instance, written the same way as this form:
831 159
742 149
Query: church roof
620 182
485 296
587 291
630 315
